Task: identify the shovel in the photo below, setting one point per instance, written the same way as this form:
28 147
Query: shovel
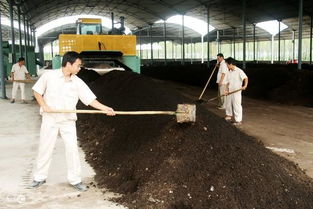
184 113
229 93
206 85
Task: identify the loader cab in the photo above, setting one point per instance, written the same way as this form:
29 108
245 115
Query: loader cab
89 26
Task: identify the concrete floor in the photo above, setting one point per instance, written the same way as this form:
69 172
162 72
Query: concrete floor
19 137
288 129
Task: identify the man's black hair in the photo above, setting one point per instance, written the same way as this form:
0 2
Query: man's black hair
21 59
220 55
70 57
231 61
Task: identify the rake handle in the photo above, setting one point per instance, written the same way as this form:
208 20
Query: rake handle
207 83
117 112
225 94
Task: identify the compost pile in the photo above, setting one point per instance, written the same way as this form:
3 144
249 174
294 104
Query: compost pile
88 76
275 82
157 163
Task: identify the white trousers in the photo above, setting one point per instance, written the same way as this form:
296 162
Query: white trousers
15 87
221 100
233 106
48 135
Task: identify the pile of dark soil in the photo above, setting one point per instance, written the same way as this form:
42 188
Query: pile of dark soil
275 82
88 76
157 163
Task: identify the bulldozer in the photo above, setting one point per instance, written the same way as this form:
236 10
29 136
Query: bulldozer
101 52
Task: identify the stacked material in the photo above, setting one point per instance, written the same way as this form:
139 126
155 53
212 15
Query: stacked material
275 82
157 163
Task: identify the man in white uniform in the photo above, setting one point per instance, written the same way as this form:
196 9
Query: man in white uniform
235 78
19 72
221 80
60 90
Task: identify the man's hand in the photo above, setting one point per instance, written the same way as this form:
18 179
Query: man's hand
97 105
28 76
109 111
245 84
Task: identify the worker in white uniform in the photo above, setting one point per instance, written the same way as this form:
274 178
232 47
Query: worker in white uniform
221 80
20 73
235 78
60 90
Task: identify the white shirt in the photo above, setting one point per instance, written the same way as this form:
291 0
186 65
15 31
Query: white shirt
59 94
19 71
235 78
222 69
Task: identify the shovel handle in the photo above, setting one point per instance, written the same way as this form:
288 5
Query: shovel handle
21 81
117 112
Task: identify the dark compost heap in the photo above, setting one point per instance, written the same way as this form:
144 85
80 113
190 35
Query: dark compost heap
157 163
275 82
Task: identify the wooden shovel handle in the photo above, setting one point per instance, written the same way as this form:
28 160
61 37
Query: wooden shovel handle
21 81
117 112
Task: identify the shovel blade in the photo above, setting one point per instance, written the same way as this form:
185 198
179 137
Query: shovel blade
186 113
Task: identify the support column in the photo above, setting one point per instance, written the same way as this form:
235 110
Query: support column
151 47
28 40
191 54
2 70
284 50
34 36
202 50
158 50
272 49
208 35
172 49
293 44
165 48
12 33
311 25
140 44
300 34
19 29
218 41
244 33
25 34
231 48
25 39
32 32
41 53
258 49
183 40
28 37
254 42
279 41
234 42
194 51
175 52
51 50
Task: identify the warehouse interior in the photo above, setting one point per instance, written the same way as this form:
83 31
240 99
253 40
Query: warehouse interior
154 55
